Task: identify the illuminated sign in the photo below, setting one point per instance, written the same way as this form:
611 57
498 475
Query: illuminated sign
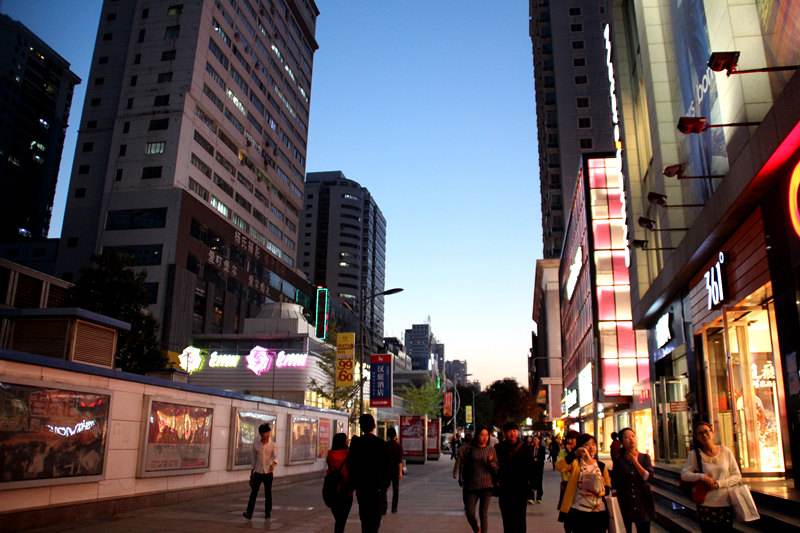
612 89
574 271
223 360
321 315
794 187
190 360
663 331
68 431
714 283
585 393
259 361
570 398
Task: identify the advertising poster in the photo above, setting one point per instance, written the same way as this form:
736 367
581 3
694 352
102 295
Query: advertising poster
302 439
325 436
705 154
244 432
51 435
434 439
345 359
413 438
177 439
380 380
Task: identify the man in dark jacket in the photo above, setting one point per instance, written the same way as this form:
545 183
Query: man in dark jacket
515 463
395 464
368 465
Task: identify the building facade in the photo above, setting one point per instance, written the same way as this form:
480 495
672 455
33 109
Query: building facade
419 346
572 106
36 87
545 361
456 371
191 156
714 216
343 246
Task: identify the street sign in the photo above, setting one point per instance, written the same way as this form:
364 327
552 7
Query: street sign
380 380
345 355
468 414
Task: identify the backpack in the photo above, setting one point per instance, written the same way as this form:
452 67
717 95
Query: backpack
332 487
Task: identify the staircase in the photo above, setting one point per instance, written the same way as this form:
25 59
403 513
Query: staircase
677 513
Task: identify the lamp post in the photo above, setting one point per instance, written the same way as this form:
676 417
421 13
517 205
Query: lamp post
362 345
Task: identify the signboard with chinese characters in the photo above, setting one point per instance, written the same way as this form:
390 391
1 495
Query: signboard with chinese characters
413 438
345 355
434 436
51 435
468 414
302 439
176 440
447 408
380 384
244 432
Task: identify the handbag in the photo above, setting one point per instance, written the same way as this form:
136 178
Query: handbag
696 490
743 504
615 522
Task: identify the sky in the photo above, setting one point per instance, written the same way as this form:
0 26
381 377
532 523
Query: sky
430 105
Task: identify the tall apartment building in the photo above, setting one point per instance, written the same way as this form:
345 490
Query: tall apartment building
191 155
36 88
573 111
419 346
343 245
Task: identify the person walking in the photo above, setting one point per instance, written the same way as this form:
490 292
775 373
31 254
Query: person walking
564 466
715 467
395 464
477 470
631 475
263 466
337 462
537 452
368 464
515 469
588 482
455 444
555 448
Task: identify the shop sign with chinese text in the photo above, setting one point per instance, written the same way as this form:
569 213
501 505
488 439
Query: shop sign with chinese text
380 384
345 355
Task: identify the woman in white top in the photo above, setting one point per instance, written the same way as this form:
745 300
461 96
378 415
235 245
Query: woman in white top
264 461
719 472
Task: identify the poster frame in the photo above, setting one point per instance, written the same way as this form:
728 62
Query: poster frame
72 480
331 433
232 466
413 456
291 417
143 445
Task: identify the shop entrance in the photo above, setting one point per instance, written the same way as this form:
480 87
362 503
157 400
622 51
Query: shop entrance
674 433
743 378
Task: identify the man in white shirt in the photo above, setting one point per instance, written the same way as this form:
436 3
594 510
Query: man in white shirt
263 466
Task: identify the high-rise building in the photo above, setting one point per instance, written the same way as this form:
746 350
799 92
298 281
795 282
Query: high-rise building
419 346
456 371
191 155
36 87
343 245
545 363
573 111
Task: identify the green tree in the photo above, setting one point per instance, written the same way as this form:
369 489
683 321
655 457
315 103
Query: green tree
509 402
110 287
342 398
424 400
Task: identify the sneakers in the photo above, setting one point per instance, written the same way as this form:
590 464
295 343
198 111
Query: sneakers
539 500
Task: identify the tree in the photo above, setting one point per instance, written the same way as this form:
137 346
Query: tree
110 287
342 398
510 402
423 400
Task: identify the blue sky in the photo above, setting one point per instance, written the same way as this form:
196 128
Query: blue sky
430 105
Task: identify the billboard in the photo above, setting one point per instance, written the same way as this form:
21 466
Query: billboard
434 437
447 408
302 439
413 438
380 380
345 355
244 432
325 436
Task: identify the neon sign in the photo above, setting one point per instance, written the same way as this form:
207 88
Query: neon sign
190 360
714 286
663 331
612 89
68 431
223 360
794 187
259 361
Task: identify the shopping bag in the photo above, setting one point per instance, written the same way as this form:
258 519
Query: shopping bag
615 522
743 505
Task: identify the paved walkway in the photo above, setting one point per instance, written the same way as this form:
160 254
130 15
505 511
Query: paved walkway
430 501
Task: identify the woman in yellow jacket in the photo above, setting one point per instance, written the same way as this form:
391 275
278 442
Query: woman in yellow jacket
583 508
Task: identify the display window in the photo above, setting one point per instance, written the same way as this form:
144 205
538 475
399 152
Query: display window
743 378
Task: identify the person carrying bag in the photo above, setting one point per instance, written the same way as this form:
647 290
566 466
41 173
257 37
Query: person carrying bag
744 507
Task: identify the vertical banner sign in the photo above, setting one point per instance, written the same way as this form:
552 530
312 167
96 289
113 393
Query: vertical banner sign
447 409
468 414
345 355
413 438
380 380
434 436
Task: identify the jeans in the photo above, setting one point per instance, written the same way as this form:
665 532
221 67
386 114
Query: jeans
471 499
371 506
641 527
588 522
513 508
395 492
341 510
255 485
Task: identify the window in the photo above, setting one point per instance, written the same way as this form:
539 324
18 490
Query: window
158 124
174 10
118 176
161 100
80 192
137 59
102 60
574 12
224 185
107 36
92 124
87 147
584 122
141 255
207 146
83 169
581 80
155 148
125 219
586 144
126 127
99 81
94 102
123 149
165 77
583 101
141 36
145 13
201 191
168 55
149 173
172 32
576 27
134 79
577 45
200 165
129 105
219 206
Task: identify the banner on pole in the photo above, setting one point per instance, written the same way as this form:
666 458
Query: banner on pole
447 409
380 380
345 355
468 414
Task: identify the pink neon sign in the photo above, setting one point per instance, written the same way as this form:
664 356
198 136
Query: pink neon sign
260 360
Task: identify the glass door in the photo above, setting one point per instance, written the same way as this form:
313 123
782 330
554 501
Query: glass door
716 371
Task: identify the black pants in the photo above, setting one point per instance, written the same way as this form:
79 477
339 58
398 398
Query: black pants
255 485
371 506
588 522
395 491
341 510
715 519
471 499
537 489
513 507
641 527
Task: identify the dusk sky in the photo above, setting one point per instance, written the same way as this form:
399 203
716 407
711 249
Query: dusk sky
430 105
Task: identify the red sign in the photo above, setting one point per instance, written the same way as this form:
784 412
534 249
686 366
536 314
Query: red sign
434 436
447 410
413 436
324 437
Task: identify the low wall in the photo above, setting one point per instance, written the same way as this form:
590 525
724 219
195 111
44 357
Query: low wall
122 476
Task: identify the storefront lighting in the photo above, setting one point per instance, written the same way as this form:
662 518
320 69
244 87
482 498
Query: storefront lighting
690 125
794 187
729 62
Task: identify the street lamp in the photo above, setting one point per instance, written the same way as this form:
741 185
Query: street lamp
362 327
